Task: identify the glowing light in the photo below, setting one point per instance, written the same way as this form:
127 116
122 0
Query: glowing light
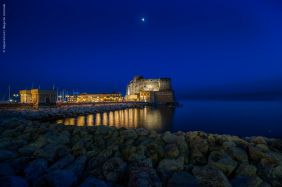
143 19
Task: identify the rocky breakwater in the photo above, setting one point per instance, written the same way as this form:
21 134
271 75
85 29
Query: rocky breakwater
66 111
44 154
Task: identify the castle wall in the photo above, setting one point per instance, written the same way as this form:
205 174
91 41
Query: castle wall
150 90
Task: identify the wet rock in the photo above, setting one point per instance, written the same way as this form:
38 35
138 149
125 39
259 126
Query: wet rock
182 179
6 170
93 182
35 169
171 151
13 181
211 177
246 170
222 161
6 155
245 181
141 177
114 168
128 134
168 137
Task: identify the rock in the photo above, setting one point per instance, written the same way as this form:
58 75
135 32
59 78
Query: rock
199 143
168 137
35 169
13 181
197 157
6 155
93 182
258 140
256 154
246 170
182 179
103 130
48 152
171 151
113 169
142 132
141 177
238 154
245 181
60 164
168 166
155 152
222 161
58 178
78 165
211 177
79 148
6 170
128 134
276 176
20 163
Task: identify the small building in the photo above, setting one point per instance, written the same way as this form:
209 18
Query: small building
95 98
158 91
38 97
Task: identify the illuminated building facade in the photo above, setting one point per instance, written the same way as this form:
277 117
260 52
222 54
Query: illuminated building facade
150 90
93 98
38 97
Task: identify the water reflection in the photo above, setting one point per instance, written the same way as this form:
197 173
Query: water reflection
159 119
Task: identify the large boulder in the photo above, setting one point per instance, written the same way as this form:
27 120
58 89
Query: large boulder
35 169
246 170
168 137
167 166
128 134
211 177
63 162
13 181
6 155
143 176
222 161
182 179
6 170
171 151
93 182
245 181
57 178
77 167
113 169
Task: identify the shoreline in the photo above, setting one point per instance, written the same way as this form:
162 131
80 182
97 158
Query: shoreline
45 154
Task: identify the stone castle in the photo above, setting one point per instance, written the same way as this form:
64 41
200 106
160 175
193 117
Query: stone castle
158 91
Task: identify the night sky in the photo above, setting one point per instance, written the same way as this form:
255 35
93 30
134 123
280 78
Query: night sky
206 47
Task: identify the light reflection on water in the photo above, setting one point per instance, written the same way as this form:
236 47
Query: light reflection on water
159 119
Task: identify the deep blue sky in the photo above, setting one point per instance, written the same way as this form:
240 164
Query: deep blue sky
223 46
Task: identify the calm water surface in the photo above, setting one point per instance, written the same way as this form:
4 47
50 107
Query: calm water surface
243 118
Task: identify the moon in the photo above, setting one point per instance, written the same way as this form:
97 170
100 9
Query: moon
143 19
